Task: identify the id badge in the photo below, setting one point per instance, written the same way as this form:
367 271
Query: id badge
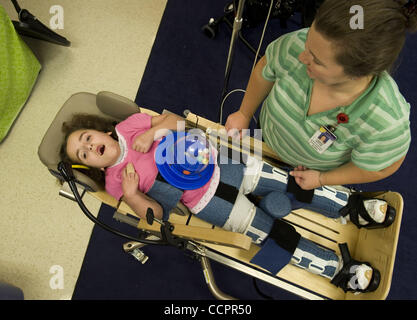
322 139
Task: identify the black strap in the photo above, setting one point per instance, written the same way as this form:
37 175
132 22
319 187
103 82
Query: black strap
224 191
301 195
160 178
355 208
285 235
343 277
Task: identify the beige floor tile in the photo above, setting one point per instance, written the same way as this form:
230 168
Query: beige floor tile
111 43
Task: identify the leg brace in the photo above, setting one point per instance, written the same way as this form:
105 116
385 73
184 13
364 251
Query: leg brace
261 179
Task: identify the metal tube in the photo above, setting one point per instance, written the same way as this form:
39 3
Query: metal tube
211 283
251 271
237 25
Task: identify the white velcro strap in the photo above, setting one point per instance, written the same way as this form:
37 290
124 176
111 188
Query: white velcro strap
359 279
251 175
316 265
331 194
261 234
241 215
277 174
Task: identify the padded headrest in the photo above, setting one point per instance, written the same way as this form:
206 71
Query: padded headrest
105 104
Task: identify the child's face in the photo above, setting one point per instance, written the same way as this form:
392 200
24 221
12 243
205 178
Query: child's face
93 148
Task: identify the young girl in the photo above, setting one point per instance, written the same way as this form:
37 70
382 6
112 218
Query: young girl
97 143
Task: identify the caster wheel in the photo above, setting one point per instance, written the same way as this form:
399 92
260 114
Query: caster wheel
228 8
210 29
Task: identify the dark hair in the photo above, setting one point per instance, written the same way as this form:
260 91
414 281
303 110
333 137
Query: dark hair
374 48
81 121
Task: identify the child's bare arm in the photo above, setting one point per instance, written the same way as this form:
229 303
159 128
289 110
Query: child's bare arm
160 126
137 200
140 203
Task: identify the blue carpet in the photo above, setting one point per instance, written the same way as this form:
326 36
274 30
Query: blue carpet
185 71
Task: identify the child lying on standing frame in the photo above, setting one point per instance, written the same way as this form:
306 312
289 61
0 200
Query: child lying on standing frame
107 149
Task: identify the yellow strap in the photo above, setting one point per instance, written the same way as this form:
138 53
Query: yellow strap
79 166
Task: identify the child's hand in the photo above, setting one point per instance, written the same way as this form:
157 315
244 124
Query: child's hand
143 142
130 182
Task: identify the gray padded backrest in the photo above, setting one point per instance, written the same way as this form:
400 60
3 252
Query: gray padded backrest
105 104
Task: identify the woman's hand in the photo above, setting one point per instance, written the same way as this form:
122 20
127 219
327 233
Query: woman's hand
307 179
236 122
130 181
143 142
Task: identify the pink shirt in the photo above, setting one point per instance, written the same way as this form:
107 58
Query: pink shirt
145 165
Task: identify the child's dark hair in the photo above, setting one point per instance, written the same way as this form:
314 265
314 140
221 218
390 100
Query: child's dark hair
87 121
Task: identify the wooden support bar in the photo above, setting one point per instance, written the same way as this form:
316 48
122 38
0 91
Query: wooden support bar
202 233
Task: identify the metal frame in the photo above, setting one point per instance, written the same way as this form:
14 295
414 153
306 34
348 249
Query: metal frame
207 253
204 254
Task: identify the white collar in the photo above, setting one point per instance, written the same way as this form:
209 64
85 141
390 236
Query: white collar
123 149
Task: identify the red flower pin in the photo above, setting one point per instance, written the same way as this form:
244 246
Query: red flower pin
342 118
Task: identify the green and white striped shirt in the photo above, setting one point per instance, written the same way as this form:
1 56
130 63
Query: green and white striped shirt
378 131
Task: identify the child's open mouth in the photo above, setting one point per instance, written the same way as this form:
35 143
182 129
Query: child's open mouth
100 150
